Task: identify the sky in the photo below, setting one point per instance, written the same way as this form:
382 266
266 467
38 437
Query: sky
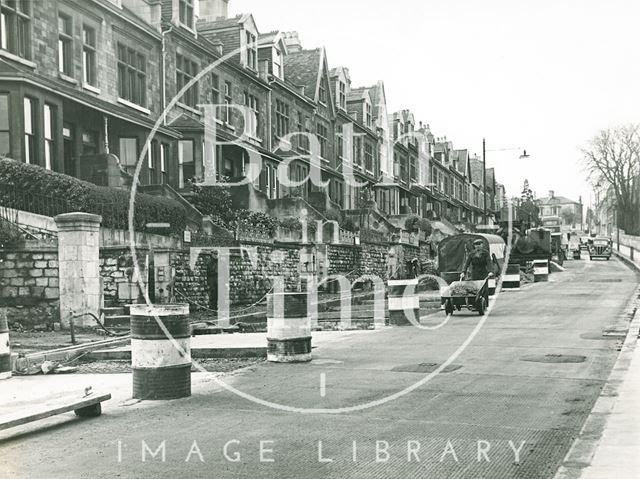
545 75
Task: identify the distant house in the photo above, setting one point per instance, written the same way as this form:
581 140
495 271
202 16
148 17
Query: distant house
554 212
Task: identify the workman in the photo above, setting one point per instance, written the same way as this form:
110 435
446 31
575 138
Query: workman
480 262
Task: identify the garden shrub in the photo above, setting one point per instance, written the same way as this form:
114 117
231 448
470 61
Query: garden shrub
47 192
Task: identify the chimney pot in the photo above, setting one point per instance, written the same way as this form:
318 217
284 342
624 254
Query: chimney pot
212 10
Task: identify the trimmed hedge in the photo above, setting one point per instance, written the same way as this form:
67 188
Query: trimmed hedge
41 191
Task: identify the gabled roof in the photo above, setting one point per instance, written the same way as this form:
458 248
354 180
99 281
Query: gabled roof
306 68
223 23
556 200
460 160
491 172
272 38
344 71
358 94
477 175
303 68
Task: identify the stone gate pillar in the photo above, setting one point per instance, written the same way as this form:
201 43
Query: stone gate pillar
79 272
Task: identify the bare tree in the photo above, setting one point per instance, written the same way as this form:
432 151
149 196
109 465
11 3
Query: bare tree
613 157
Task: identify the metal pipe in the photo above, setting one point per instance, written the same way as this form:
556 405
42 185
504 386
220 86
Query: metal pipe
164 74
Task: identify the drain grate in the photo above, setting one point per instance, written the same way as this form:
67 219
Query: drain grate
425 368
554 358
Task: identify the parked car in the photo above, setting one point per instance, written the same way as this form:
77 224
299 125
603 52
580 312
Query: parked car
600 248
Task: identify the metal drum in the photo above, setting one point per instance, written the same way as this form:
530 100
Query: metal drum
540 270
5 349
161 362
404 301
511 279
288 328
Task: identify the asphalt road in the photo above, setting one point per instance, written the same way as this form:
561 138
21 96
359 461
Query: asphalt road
525 382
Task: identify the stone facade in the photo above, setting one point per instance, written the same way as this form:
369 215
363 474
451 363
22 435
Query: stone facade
190 284
117 272
29 287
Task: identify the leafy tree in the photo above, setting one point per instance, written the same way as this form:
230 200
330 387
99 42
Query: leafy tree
528 211
527 193
569 216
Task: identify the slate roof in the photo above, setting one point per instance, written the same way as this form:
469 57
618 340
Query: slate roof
491 177
221 23
185 121
459 159
476 171
267 38
357 94
303 68
556 200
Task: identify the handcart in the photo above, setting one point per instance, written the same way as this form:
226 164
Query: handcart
453 252
459 294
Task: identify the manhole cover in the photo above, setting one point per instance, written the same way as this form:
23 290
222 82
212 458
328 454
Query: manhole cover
554 358
611 280
425 368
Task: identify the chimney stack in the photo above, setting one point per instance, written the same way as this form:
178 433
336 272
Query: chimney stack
212 10
550 193
292 42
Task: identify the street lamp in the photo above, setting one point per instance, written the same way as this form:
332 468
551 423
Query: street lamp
597 187
523 156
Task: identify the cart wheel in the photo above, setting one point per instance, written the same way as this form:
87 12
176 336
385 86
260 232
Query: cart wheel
482 305
448 307
89 411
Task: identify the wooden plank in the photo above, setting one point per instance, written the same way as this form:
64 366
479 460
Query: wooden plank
23 417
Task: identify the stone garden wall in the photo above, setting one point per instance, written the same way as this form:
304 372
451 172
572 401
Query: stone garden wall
249 280
119 285
29 287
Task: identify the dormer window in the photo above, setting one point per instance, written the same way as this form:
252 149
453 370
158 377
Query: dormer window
252 50
367 114
342 95
186 13
277 63
322 95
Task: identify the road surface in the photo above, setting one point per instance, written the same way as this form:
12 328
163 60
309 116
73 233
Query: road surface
508 405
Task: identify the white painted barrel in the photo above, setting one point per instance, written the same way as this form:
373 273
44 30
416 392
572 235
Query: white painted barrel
5 348
404 301
161 360
540 270
511 278
288 328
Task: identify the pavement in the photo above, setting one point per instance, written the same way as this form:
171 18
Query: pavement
512 393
